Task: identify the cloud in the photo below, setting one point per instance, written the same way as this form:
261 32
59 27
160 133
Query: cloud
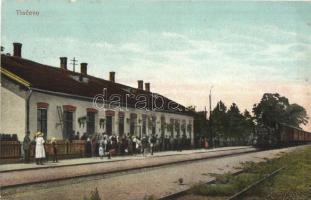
170 54
242 64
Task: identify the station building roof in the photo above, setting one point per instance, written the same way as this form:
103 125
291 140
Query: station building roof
56 79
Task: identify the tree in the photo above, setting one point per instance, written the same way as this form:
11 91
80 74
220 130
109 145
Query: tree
235 123
248 125
231 125
240 126
200 126
191 108
219 123
296 115
249 121
274 109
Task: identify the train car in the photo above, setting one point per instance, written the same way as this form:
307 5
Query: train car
290 135
308 137
281 135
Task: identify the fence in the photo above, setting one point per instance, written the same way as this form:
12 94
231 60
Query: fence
11 150
65 149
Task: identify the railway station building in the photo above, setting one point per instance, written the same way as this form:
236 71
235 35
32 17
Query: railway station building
62 103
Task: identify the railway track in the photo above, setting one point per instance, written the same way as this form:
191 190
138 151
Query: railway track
242 193
237 196
185 192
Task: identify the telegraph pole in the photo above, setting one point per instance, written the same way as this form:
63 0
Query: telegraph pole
210 116
74 63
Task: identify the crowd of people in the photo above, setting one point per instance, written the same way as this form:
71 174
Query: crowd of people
40 152
103 145
108 145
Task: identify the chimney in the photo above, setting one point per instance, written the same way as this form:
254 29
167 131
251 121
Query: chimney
112 76
147 87
17 49
83 69
63 63
140 84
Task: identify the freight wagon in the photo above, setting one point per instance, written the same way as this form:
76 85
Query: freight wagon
281 135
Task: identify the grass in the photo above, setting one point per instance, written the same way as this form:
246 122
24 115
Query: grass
293 182
225 185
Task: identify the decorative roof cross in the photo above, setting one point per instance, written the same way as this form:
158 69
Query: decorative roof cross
74 63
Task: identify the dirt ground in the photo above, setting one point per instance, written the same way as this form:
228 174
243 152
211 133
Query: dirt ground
132 186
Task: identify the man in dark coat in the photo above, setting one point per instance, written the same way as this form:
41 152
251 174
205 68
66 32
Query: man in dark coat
166 143
144 143
54 148
179 143
134 141
109 147
183 142
153 140
171 142
26 147
88 148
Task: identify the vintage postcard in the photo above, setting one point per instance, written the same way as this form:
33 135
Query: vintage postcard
155 99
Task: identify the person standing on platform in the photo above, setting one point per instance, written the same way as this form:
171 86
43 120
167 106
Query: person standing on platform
183 142
88 148
179 141
101 151
40 151
26 147
205 143
171 143
166 143
153 140
144 143
134 144
109 147
105 142
130 144
54 148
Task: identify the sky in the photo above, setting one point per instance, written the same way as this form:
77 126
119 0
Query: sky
183 48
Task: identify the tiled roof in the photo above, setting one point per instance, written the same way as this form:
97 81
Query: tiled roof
55 79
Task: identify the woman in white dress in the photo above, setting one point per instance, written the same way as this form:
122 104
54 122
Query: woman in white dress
101 151
40 151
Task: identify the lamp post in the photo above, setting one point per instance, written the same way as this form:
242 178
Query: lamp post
210 116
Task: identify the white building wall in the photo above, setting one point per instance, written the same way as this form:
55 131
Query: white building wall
13 110
53 127
81 106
